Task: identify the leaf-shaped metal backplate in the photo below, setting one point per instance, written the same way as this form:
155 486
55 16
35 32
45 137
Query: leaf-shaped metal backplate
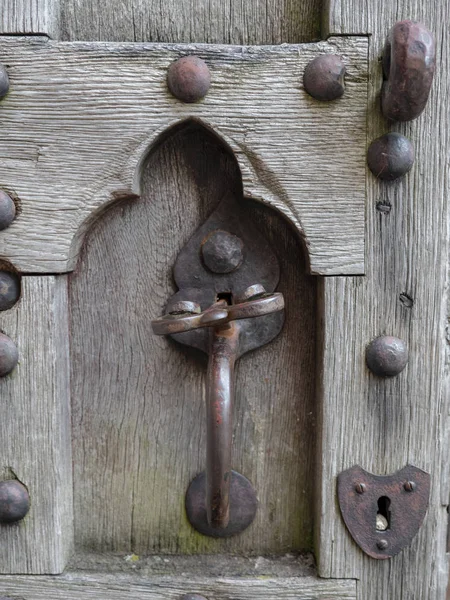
359 493
198 284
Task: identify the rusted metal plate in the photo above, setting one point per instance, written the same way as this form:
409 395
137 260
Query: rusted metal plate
243 505
200 284
402 497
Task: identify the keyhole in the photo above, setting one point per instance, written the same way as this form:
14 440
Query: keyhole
383 520
227 296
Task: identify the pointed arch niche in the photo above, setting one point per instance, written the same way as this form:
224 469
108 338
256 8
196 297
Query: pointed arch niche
138 408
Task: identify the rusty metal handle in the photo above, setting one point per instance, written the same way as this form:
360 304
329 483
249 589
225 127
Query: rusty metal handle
217 314
226 323
408 68
219 407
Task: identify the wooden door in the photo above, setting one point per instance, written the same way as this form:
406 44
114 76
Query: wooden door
104 422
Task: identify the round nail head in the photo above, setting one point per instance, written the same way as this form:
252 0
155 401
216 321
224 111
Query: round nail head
382 544
7 210
222 252
390 156
409 486
9 290
323 78
9 355
189 78
386 356
14 501
360 488
4 81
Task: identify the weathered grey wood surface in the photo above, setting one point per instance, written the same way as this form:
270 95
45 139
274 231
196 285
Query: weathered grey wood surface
75 586
35 428
384 424
210 21
30 17
139 420
80 118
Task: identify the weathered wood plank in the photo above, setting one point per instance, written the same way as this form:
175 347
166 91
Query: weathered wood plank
384 424
35 428
209 21
30 17
79 586
80 117
139 420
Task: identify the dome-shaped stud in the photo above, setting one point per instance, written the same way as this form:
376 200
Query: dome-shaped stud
390 156
386 356
4 81
9 355
324 76
222 252
14 501
9 290
189 78
7 210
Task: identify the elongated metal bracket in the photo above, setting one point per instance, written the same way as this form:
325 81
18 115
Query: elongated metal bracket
383 513
226 306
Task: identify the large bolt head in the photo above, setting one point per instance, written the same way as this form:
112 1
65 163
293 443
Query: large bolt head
7 210
324 77
9 290
14 501
390 156
386 356
188 79
9 355
222 251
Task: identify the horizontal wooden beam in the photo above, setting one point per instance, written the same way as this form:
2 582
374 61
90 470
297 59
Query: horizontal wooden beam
80 119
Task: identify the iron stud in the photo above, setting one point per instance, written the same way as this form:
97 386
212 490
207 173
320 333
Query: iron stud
7 210
222 252
9 355
9 289
390 156
386 356
188 79
14 501
324 77
4 81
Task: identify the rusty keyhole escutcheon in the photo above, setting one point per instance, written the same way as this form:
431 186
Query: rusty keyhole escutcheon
383 513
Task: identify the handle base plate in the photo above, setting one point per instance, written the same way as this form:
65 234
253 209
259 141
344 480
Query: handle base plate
243 505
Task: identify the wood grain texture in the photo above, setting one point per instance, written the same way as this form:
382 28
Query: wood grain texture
81 117
139 421
209 21
76 586
384 424
35 428
30 17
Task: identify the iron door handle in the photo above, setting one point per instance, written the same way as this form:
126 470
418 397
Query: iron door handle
222 312
223 352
